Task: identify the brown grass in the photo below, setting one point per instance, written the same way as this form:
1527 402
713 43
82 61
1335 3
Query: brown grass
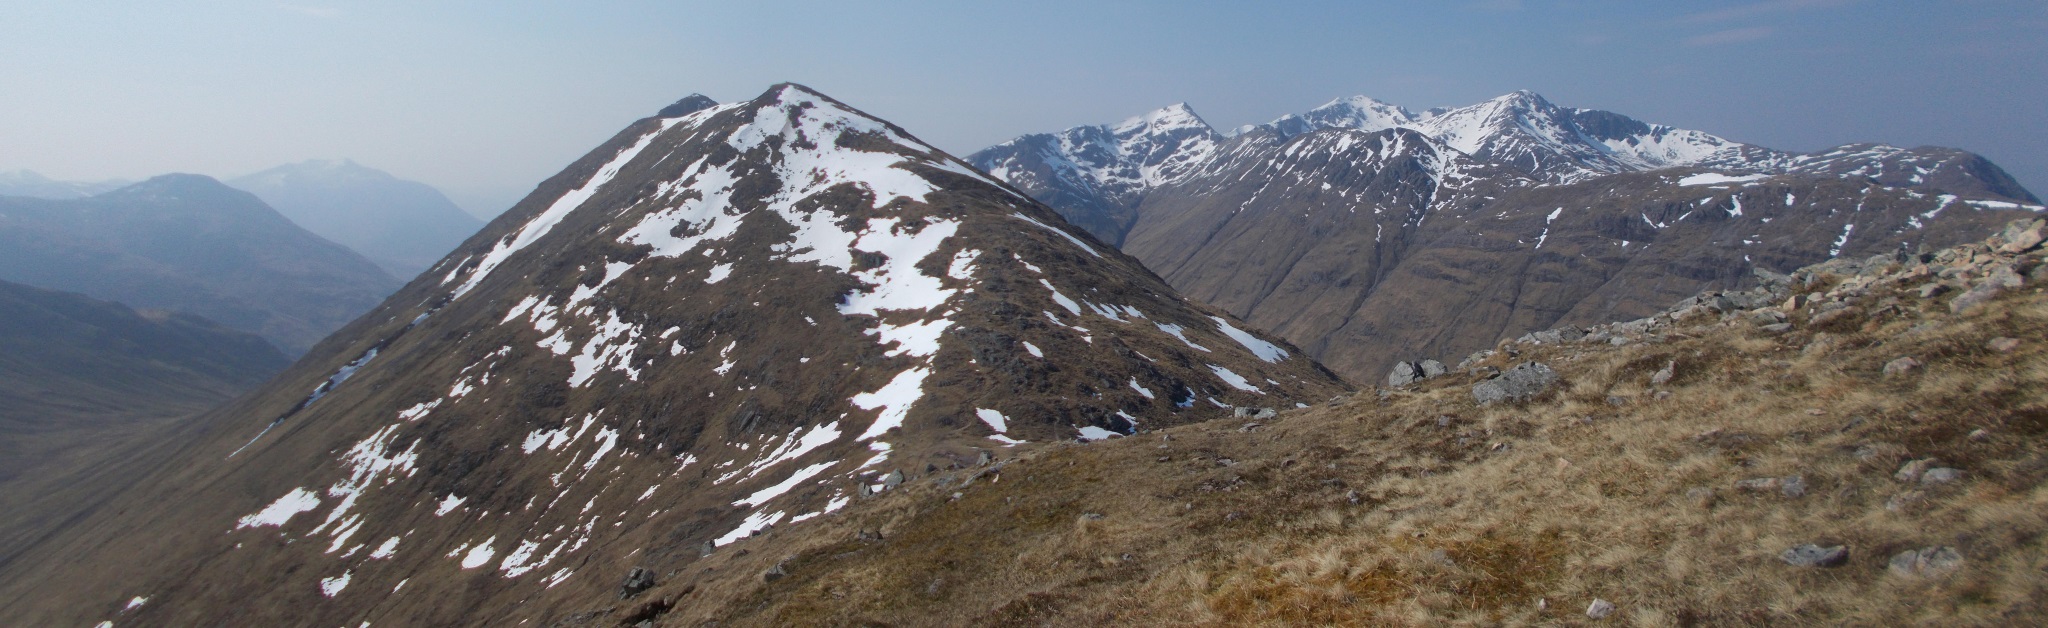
1508 515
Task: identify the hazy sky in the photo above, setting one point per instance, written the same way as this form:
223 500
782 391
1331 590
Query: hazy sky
485 99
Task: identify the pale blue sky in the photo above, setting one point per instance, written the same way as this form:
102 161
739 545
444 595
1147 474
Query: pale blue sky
484 99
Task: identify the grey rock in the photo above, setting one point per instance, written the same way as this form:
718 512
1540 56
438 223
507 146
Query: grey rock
1520 383
707 549
1475 358
1941 475
637 580
2005 277
1403 375
2022 235
1810 555
1432 368
1663 376
1793 486
1900 366
1599 609
1932 289
892 480
1928 562
1778 328
775 573
1910 472
2003 344
1979 295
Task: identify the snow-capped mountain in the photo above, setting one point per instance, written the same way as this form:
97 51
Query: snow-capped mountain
727 319
1563 145
1354 112
1368 234
1096 175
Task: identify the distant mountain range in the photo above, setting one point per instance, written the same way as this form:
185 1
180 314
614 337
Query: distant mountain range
1367 233
28 183
191 244
403 226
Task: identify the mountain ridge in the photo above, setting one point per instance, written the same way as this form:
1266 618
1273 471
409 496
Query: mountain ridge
712 325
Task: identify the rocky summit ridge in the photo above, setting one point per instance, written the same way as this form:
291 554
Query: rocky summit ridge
719 323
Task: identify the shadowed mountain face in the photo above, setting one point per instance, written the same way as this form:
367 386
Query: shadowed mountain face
189 243
80 378
403 226
723 321
1368 234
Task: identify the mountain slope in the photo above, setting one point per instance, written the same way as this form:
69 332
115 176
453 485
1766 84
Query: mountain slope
1663 479
718 323
403 226
189 243
80 377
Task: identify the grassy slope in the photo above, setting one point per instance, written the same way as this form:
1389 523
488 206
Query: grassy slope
1422 508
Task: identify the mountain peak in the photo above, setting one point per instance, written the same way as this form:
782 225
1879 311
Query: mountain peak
687 105
1165 119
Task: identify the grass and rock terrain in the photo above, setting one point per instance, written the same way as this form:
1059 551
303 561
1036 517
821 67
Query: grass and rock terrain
1857 443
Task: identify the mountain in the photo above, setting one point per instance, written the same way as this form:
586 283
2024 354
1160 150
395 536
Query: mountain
81 378
726 320
1370 235
1690 474
403 226
188 243
1095 176
28 183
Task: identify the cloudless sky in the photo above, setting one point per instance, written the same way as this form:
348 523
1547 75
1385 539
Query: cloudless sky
486 98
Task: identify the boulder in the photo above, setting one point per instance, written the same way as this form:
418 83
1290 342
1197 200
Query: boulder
2023 235
1521 383
1663 376
1431 368
1926 562
1810 555
1941 475
1911 471
1900 366
1403 375
1599 609
637 580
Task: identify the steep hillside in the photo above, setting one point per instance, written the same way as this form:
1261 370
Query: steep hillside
1865 449
726 320
403 226
80 379
189 243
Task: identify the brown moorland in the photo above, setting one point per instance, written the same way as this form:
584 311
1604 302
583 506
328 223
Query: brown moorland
1672 501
